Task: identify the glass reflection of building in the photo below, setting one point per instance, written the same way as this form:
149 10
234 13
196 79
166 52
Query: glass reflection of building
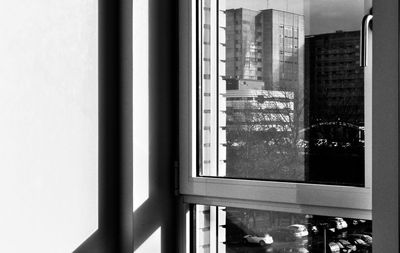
335 80
264 60
250 107
266 45
282 49
243 57
335 108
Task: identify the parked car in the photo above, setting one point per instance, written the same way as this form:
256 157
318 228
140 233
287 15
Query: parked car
352 223
330 225
366 238
334 247
339 223
259 239
346 246
321 142
361 245
318 227
299 230
313 229
342 222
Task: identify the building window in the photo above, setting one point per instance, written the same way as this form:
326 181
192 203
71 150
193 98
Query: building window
262 152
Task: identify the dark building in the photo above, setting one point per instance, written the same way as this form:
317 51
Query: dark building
334 99
334 78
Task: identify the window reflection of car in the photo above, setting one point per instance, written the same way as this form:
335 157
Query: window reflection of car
355 224
334 247
302 144
312 228
339 223
318 247
321 142
360 244
346 246
237 144
366 238
334 144
299 230
342 222
329 225
346 145
283 235
262 240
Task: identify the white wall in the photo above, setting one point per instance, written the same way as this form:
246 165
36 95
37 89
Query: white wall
48 124
155 92
140 73
141 120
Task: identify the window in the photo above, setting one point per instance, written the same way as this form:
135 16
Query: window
217 191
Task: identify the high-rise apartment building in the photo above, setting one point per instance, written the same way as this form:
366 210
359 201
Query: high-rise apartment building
243 46
266 45
335 80
282 49
335 92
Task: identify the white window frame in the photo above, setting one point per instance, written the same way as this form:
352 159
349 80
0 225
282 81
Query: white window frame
319 199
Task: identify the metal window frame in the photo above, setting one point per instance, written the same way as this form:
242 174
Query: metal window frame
383 207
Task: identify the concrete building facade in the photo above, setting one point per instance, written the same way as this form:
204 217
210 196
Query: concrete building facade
266 45
243 45
282 49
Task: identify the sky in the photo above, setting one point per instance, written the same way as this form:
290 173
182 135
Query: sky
321 16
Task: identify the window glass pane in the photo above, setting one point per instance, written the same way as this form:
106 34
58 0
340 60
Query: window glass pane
285 91
241 230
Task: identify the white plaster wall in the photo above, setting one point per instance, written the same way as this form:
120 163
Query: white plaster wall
140 73
48 124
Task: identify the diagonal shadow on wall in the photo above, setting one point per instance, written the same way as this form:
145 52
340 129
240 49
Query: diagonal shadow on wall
159 210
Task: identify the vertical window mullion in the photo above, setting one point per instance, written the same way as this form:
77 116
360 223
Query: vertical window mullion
209 108
221 230
221 88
